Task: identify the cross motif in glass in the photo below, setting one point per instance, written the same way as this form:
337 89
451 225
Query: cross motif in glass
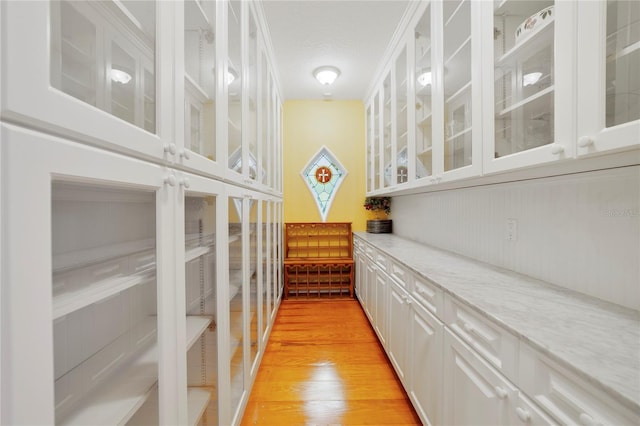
323 176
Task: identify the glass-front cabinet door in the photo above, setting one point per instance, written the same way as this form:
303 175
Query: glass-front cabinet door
200 69
387 130
97 308
423 84
234 86
202 205
609 78
377 141
528 92
461 85
370 131
94 71
237 257
401 174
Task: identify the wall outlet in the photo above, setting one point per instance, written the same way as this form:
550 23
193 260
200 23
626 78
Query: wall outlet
512 230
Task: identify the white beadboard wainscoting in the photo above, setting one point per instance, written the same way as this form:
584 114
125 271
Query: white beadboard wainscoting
578 231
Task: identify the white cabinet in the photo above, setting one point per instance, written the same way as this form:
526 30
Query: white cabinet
380 310
609 77
566 397
530 90
398 318
94 71
88 282
425 368
474 393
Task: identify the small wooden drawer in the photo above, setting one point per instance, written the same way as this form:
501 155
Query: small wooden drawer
566 397
495 344
428 295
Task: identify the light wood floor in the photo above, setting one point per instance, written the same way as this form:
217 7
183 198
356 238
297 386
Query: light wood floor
323 365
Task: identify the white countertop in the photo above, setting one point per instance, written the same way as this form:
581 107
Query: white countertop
598 340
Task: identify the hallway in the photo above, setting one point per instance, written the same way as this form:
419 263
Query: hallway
323 365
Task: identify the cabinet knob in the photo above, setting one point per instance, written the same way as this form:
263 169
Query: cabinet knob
467 327
185 154
585 141
185 182
523 414
170 180
170 148
587 420
501 392
557 149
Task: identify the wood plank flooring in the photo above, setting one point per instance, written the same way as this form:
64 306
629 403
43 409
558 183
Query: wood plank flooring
323 365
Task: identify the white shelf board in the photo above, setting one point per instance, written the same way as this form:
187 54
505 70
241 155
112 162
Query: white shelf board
193 88
527 47
90 256
118 399
65 303
196 252
196 325
197 401
194 16
530 100
457 135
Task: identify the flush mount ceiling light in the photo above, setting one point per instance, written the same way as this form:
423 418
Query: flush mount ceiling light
326 75
424 79
531 78
120 76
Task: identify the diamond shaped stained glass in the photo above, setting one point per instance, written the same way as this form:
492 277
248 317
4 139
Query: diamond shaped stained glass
324 175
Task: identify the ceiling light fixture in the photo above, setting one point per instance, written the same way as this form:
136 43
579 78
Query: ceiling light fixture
424 79
326 75
120 76
531 78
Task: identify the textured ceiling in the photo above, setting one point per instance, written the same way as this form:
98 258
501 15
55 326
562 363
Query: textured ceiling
349 34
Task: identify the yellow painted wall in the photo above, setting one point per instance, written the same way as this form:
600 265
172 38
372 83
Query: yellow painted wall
340 126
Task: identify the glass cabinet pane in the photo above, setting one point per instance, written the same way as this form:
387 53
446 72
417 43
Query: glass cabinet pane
265 122
423 91
234 86
254 220
102 53
401 175
236 312
623 62
524 75
387 148
201 297
376 141
369 141
105 310
199 77
265 266
252 99
457 83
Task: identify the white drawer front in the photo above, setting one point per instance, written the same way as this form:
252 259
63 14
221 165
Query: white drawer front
566 397
381 260
495 344
399 273
430 296
369 251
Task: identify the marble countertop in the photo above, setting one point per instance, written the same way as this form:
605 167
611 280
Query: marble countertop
598 340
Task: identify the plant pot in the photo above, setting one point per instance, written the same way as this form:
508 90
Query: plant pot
379 226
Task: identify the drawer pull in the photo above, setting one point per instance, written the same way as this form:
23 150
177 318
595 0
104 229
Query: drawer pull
502 394
587 420
523 414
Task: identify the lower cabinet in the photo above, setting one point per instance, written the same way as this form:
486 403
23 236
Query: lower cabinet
460 368
424 371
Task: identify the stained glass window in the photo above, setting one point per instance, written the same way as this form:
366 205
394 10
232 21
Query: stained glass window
323 176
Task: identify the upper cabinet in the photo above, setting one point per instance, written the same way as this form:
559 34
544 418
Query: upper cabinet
493 87
114 74
96 71
609 78
531 88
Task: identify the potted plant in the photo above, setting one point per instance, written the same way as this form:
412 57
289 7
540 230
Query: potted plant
380 207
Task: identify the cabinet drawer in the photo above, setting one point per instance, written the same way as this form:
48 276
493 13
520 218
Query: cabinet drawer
495 344
381 260
369 251
430 296
568 398
399 273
